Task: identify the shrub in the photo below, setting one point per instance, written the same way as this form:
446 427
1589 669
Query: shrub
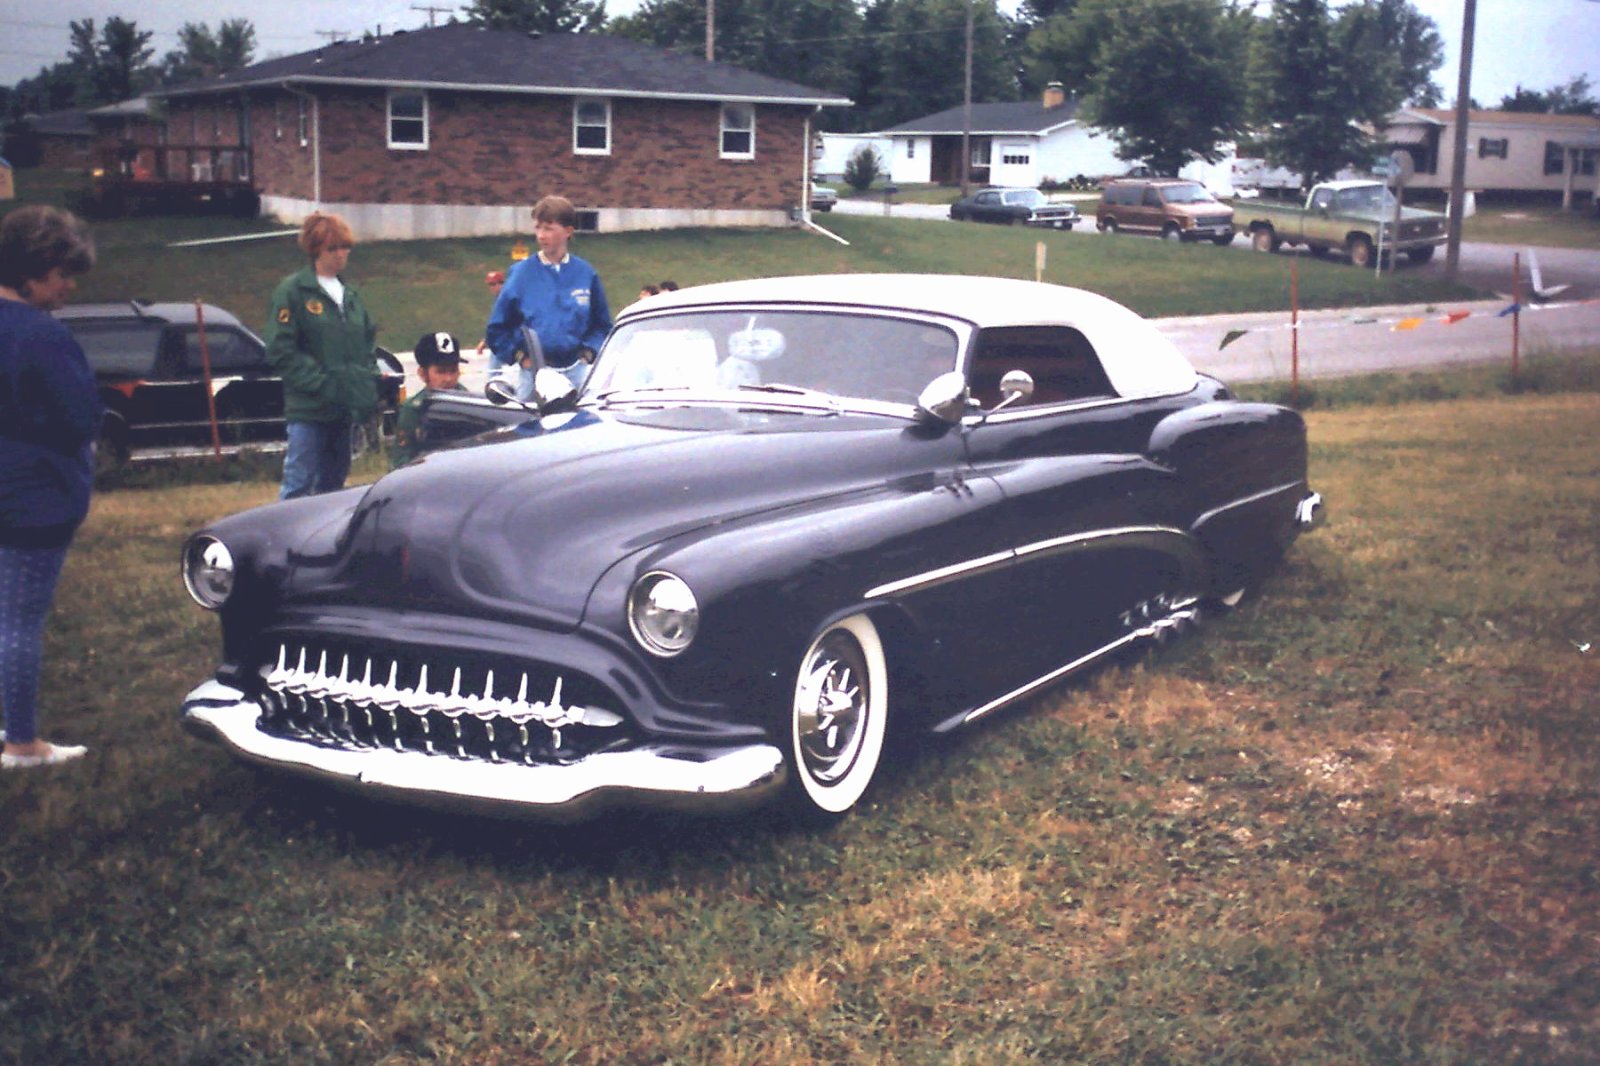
862 168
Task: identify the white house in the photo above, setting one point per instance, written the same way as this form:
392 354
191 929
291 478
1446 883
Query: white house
834 150
1506 150
1022 143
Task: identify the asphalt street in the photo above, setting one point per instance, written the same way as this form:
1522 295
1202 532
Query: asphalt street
1366 340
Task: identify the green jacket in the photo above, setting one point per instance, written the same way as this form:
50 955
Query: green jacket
323 352
410 436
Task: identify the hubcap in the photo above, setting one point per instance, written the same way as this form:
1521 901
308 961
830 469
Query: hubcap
832 708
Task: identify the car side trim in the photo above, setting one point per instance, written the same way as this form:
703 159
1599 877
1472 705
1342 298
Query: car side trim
1074 539
986 562
942 574
1182 615
1246 501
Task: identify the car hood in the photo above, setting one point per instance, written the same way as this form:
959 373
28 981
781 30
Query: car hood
521 527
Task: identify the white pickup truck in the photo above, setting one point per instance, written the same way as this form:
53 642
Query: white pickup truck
1345 216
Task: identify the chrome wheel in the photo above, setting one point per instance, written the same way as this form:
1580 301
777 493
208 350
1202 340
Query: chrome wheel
839 716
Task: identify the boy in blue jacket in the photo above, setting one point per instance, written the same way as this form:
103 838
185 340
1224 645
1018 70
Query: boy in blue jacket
556 295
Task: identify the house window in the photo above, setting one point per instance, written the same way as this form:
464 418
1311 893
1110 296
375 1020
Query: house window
738 131
911 148
591 127
1016 155
1555 158
1492 147
408 119
980 153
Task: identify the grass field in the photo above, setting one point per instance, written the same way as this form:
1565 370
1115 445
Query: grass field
1354 822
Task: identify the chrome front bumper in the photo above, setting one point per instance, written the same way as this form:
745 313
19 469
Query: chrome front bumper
653 777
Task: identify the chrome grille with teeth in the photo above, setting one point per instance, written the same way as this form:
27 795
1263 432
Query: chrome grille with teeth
303 696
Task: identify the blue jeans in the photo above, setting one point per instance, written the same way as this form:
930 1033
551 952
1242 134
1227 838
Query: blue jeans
27 585
317 460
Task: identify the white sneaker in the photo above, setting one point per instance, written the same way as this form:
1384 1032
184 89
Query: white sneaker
58 753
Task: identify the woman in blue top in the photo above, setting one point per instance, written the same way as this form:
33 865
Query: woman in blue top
555 295
49 420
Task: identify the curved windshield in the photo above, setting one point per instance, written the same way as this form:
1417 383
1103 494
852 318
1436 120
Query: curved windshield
1186 194
1366 198
1026 198
869 357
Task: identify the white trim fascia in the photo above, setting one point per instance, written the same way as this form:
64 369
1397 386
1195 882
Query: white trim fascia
976 132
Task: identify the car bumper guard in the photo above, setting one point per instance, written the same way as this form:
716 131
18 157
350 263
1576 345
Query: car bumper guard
661 776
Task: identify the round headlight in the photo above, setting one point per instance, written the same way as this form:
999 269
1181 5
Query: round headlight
208 571
662 613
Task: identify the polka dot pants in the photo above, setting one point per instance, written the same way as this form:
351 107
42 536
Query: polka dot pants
27 585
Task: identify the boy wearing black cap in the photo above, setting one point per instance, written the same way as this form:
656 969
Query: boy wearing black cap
438 359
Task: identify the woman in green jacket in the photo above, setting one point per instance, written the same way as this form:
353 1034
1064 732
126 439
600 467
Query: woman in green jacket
320 341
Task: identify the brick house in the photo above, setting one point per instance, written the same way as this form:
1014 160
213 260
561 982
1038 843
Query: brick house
457 130
65 139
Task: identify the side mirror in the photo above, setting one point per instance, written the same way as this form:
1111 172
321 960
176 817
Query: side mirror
553 390
944 399
500 392
1017 385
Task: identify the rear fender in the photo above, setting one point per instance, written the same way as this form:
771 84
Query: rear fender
1243 468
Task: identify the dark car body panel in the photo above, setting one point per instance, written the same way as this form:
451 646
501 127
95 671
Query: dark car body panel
150 363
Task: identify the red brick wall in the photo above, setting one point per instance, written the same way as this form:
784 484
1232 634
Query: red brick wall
282 164
488 148
66 153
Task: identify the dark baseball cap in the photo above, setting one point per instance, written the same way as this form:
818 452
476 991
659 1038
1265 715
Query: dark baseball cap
435 349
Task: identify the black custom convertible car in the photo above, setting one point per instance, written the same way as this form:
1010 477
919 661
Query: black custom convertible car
783 518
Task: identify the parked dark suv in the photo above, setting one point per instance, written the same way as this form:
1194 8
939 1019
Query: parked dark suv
147 360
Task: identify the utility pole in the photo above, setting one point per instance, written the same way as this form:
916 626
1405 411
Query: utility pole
1458 165
711 30
431 10
966 115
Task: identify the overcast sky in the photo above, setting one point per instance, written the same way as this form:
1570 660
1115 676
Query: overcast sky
1535 43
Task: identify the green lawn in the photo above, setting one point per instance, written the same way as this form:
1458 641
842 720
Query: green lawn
1355 822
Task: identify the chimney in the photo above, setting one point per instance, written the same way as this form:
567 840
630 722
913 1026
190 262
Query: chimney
1054 95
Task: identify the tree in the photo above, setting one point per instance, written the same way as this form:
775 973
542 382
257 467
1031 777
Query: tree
204 54
1313 84
862 168
542 16
1167 83
815 42
113 65
923 53
1573 98
807 41
1400 46
1062 46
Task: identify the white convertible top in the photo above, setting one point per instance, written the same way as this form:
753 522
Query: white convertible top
1137 358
